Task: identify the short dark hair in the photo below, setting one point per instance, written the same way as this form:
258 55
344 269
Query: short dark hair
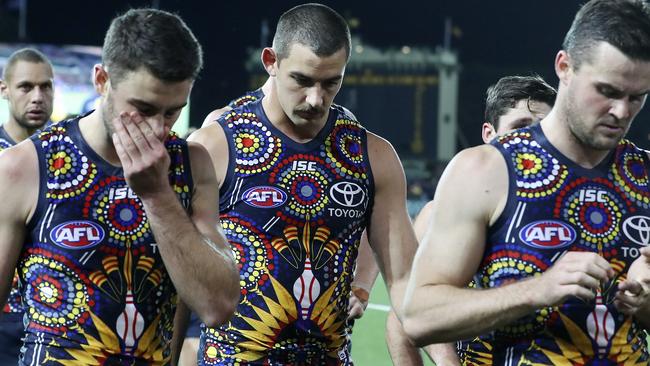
624 24
316 26
511 89
154 39
24 54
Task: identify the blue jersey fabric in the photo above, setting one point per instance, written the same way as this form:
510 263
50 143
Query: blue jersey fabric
555 206
293 214
94 286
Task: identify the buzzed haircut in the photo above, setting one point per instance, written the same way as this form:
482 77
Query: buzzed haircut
153 39
316 26
24 54
624 24
511 89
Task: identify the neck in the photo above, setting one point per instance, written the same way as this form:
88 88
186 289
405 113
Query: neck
96 136
556 129
17 132
301 133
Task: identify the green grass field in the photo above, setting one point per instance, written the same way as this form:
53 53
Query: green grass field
368 342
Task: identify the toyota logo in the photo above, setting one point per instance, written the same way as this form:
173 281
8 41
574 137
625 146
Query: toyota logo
347 194
637 229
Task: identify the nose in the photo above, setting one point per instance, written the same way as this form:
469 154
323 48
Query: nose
38 95
315 96
158 125
621 109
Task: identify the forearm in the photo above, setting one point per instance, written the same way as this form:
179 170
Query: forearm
181 321
444 313
203 269
367 269
443 354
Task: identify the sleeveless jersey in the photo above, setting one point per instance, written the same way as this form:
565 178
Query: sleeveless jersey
555 206
13 304
293 214
95 288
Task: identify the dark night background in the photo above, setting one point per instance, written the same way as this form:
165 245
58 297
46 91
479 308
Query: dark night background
498 38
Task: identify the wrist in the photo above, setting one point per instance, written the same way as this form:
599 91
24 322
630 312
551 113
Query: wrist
362 294
162 193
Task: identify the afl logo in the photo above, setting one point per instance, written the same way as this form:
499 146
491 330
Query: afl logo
347 194
77 234
264 197
637 229
547 234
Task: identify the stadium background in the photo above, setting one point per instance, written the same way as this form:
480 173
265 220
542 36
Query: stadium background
489 39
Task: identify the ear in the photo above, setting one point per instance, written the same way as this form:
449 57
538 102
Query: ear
488 132
563 66
269 59
4 90
100 79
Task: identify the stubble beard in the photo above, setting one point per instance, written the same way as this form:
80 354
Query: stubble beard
581 132
108 114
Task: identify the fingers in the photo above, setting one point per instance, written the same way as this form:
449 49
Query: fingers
590 264
581 292
582 279
121 140
645 251
575 274
630 297
630 288
138 137
355 311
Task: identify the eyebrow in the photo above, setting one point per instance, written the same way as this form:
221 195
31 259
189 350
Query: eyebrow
141 103
618 90
303 76
30 82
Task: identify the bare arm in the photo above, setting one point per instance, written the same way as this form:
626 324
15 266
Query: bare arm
364 278
390 232
469 198
633 295
195 252
213 116
442 354
181 321
19 183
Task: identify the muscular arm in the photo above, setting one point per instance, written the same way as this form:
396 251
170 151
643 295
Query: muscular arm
440 353
364 278
195 252
181 321
19 182
469 198
390 232
213 116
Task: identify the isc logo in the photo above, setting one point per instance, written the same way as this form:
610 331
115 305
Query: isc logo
264 197
77 234
547 234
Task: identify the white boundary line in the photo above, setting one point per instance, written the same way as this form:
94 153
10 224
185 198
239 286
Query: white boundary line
380 307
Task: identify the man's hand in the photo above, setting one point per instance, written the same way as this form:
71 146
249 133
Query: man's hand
634 293
358 302
139 144
575 274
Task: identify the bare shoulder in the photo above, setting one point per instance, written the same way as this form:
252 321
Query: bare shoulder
383 159
198 153
19 178
19 163
478 177
212 117
213 143
211 136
